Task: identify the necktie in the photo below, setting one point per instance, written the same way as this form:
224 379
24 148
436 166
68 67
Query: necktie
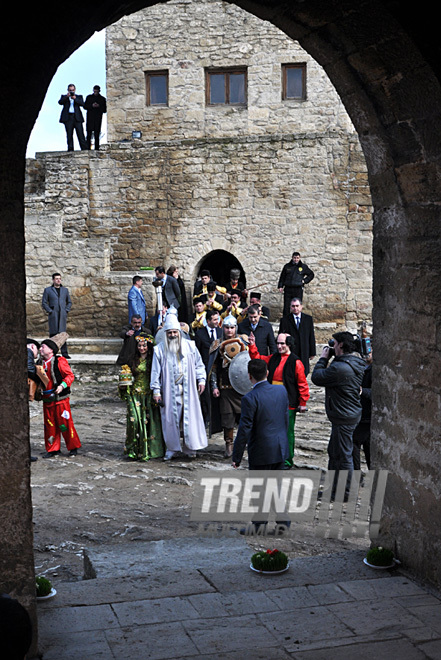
297 321
212 335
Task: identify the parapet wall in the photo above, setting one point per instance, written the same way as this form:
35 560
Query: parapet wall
98 217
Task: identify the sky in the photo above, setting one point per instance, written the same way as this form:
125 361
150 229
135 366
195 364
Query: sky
84 68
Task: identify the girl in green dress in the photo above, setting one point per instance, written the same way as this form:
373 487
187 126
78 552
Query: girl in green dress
143 433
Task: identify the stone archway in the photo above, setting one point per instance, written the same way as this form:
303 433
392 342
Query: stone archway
384 60
219 263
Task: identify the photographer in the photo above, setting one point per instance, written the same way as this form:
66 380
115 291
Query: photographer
342 380
72 117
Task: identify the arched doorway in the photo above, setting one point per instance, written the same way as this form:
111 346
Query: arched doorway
384 62
220 263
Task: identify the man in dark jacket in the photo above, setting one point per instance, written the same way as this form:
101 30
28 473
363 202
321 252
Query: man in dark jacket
96 106
295 274
56 303
342 381
263 429
72 117
362 433
261 329
129 334
263 426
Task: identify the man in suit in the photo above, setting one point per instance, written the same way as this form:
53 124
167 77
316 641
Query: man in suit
96 106
204 338
171 292
295 274
136 300
72 117
263 426
301 328
261 329
256 299
57 304
263 429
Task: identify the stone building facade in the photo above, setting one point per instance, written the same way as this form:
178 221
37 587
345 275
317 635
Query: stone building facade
244 181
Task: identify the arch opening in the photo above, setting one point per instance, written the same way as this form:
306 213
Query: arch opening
220 263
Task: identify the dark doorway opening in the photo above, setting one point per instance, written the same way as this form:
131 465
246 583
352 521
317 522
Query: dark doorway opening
219 263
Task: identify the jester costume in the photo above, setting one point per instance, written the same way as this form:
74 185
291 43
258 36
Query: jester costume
56 407
143 431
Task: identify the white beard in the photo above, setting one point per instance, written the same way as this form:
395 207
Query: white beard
172 345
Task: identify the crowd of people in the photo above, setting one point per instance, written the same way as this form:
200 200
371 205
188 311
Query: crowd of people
183 378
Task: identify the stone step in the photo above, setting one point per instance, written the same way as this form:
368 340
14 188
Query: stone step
140 558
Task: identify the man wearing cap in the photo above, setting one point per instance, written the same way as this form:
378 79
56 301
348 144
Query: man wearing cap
96 106
235 286
177 380
222 353
56 406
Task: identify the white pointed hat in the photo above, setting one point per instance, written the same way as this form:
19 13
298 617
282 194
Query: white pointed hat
171 323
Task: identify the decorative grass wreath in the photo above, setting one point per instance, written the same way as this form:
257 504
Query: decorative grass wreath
271 560
379 556
43 586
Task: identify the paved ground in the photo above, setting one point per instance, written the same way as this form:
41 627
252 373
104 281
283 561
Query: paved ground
216 608
162 591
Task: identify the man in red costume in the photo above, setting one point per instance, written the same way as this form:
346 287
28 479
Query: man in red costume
285 368
56 407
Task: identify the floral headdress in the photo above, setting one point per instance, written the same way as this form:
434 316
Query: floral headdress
143 336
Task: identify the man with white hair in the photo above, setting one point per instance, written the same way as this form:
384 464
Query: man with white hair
177 380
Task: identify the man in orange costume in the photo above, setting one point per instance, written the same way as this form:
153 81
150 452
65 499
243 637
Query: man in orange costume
286 368
56 406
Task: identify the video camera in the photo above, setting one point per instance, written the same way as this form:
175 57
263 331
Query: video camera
363 346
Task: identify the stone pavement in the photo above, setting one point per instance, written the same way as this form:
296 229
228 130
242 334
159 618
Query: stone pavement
147 603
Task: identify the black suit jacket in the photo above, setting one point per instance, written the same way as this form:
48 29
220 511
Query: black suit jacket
171 291
264 334
263 426
78 104
304 337
203 342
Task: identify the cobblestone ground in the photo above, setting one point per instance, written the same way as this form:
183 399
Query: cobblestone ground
101 497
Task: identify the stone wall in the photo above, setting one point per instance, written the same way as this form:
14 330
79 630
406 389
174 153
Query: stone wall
258 181
185 37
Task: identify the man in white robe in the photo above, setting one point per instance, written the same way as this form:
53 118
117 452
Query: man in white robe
177 380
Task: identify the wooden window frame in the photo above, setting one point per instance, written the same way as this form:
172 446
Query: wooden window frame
147 77
285 67
226 71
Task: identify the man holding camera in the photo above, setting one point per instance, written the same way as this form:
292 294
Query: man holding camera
342 380
72 117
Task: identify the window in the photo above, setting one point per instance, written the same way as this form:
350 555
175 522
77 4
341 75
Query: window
156 87
293 81
226 86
